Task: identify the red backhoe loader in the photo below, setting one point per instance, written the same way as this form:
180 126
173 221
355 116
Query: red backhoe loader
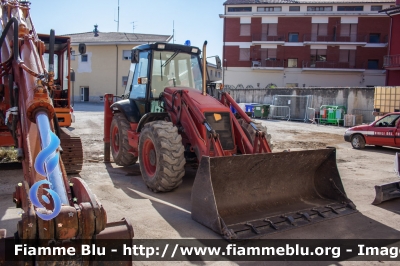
241 189
54 208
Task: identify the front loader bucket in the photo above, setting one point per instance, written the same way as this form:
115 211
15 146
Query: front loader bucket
386 192
242 197
390 190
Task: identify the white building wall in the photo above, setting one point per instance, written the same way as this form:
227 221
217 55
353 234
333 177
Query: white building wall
283 78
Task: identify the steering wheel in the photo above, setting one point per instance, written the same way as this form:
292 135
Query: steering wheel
385 124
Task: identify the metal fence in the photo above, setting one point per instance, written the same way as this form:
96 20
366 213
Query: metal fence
279 112
311 115
297 105
368 117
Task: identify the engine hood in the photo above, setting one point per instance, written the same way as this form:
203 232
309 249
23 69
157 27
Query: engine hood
359 128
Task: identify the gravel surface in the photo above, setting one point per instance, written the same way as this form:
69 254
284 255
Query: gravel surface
167 215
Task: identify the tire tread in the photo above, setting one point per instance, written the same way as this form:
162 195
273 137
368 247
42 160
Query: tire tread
123 157
169 153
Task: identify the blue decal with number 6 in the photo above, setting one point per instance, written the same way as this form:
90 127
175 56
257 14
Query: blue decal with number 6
35 200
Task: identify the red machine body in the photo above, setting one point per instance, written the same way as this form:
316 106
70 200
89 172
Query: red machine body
167 117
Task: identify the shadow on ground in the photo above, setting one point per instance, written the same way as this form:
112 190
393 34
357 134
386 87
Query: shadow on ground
354 226
379 149
391 205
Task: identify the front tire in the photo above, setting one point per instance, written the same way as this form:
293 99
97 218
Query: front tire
161 156
119 141
358 142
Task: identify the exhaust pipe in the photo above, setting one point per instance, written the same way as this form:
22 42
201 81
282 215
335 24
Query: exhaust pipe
204 81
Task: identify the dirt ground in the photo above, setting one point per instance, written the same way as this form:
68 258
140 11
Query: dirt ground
167 215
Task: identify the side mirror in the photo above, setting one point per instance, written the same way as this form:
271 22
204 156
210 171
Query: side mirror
135 56
82 48
218 62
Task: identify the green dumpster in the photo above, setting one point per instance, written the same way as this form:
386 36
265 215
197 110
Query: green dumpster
261 110
332 114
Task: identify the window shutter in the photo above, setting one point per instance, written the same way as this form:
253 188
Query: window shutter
271 53
323 29
314 29
353 32
343 56
344 29
244 54
352 58
264 28
245 29
272 29
264 32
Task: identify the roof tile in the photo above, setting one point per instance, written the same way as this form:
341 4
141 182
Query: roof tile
113 37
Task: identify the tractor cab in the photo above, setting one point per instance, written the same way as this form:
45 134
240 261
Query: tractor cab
157 66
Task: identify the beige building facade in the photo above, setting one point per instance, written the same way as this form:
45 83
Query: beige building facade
308 43
105 65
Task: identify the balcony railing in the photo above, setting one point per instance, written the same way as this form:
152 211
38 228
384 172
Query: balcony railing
268 63
263 37
335 38
333 64
391 60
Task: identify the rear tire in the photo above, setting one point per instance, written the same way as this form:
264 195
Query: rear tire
161 156
119 141
358 142
251 133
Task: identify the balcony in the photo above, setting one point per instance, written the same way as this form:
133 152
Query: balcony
264 38
335 39
391 61
333 66
268 64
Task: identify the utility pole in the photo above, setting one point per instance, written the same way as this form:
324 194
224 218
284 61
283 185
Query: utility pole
133 26
118 18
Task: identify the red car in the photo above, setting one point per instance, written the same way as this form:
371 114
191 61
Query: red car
383 132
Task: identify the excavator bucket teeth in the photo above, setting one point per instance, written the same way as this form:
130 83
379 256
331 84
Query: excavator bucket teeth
247 196
386 192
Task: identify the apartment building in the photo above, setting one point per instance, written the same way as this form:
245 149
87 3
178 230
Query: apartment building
305 43
214 73
392 60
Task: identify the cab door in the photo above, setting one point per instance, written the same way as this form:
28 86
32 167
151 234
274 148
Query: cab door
384 130
397 134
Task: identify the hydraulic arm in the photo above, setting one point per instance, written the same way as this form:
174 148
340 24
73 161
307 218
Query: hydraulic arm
54 207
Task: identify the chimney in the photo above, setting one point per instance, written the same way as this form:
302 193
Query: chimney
96 31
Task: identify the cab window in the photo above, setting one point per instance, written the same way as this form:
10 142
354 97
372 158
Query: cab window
388 121
174 69
128 87
138 91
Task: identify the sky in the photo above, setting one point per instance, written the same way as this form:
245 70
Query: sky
196 21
